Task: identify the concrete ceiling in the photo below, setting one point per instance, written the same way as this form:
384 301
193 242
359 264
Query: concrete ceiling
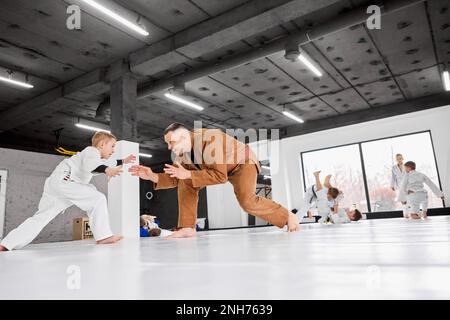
363 69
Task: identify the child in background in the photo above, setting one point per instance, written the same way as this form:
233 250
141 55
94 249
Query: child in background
413 194
334 204
345 216
319 196
149 228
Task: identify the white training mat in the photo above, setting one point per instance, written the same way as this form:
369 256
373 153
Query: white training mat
376 259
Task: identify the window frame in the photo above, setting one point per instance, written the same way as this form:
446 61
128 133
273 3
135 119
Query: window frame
361 154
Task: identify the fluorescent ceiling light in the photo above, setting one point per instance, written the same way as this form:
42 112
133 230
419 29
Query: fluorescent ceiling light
293 117
17 83
116 17
84 126
265 167
145 155
183 101
309 64
446 78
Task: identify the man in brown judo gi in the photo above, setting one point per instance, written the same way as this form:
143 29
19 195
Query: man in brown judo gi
207 157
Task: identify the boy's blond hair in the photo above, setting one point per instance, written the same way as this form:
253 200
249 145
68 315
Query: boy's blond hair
100 136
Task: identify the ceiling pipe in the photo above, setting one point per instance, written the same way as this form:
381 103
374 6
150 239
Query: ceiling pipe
346 20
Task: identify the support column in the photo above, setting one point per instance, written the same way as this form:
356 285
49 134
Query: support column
123 107
123 195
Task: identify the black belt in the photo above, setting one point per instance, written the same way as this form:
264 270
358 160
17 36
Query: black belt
314 195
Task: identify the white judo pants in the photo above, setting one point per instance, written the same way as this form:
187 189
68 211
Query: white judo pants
307 204
416 201
59 195
404 208
311 202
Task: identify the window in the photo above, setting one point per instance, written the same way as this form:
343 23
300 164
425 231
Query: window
379 158
263 189
344 164
366 167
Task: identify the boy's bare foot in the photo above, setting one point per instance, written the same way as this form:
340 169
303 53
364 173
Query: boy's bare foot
316 173
293 223
109 240
2 248
183 233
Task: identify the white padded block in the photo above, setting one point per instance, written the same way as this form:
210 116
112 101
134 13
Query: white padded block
123 194
224 210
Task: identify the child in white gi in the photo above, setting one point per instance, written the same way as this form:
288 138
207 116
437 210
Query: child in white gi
345 216
319 196
69 185
413 194
149 228
334 203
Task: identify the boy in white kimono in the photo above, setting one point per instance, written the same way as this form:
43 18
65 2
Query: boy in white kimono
345 216
413 194
319 196
334 204
149 228
69 185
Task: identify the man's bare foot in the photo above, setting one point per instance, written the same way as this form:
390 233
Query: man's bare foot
183 233
2 248
293 223
109 240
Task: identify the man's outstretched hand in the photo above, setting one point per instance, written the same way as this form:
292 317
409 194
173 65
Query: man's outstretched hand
143 172
177 171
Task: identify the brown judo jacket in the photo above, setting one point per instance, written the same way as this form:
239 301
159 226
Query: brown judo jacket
217 155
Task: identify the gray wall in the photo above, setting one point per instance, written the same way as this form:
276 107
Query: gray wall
27 172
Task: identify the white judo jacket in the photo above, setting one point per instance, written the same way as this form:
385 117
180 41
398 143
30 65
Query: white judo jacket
80 167
414 181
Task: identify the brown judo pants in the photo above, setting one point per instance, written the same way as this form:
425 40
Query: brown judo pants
243 180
